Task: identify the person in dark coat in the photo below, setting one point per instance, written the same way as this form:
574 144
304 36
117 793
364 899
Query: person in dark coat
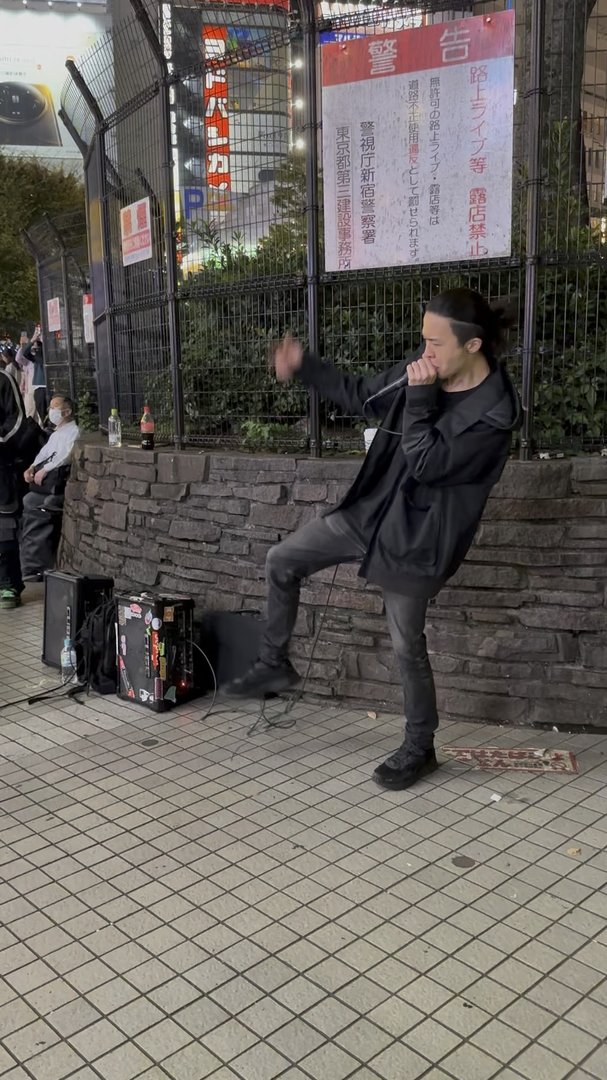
8 362
446 417
19 438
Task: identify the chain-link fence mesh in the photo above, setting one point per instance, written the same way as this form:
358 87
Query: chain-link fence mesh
191 328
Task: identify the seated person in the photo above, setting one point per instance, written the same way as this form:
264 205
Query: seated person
47 477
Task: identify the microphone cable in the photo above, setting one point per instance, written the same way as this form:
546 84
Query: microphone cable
283 719
390 388
62 689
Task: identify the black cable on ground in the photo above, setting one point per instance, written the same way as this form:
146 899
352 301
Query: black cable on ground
63 689
270 722
33 699
215 686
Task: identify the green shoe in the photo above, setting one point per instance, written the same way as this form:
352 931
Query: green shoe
9 599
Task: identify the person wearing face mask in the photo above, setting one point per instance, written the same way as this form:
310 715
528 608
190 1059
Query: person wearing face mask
47 477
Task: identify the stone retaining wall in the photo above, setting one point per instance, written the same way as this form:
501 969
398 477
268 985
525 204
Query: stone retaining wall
519 637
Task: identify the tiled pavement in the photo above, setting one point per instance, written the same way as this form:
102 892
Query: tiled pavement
180 900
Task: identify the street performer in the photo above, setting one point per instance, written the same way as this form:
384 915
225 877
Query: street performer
446 420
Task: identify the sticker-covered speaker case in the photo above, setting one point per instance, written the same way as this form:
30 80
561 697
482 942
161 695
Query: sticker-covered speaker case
155 650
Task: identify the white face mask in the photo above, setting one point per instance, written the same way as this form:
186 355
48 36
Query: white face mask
55 416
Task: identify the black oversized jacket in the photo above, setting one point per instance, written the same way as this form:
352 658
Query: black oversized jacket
450 462
20 440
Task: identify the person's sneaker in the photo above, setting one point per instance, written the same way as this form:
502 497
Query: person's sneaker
263 679
9 599
38 575
405 767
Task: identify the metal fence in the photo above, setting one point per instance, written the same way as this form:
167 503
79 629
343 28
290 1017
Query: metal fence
59 246
191 328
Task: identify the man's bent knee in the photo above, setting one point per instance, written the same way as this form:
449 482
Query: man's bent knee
279 566
412 650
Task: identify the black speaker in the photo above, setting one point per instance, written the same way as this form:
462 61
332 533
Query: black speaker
231 642
68 600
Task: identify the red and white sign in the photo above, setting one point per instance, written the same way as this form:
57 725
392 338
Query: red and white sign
417 144
216 119
136 232
87 319
53 314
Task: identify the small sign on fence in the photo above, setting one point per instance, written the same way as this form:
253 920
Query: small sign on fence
53 314
87 319
417 144
136 232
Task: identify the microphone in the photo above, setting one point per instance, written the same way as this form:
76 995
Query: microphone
402 381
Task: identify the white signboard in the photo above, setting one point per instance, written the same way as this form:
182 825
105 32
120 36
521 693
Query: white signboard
53 314
417 144
87 319
136 232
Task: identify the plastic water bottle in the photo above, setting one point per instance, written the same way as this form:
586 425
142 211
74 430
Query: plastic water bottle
147 429
114 429
69 662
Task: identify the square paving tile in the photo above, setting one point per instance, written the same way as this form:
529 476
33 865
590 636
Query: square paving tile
180 901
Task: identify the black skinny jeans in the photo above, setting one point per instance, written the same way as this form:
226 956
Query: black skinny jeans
325 542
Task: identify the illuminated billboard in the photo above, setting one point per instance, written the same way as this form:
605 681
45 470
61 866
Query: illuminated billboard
34 46
231 120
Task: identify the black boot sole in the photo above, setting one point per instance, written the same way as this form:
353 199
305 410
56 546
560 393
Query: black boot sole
398 783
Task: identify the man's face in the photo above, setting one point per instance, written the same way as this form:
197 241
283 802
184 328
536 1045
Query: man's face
59 403
442 349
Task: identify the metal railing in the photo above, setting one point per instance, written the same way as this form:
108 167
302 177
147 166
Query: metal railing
190 329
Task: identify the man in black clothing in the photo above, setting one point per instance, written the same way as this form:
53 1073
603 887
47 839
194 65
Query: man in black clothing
446 422
19 438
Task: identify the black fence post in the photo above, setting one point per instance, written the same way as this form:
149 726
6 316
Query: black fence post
532 235
170 225
33 250
69 333
90 100
87 150
106 239
311 128
67 123
69 329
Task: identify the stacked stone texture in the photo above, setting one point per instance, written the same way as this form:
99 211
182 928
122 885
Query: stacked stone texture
518 637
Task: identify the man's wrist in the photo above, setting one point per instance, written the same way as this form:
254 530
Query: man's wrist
423 396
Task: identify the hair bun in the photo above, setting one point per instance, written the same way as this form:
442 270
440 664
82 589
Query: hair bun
506 311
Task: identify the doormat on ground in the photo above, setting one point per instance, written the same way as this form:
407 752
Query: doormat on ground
496 758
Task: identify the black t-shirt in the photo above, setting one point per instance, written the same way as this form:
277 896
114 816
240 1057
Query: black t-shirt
364 515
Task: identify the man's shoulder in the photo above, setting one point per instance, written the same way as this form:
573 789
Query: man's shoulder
71 434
